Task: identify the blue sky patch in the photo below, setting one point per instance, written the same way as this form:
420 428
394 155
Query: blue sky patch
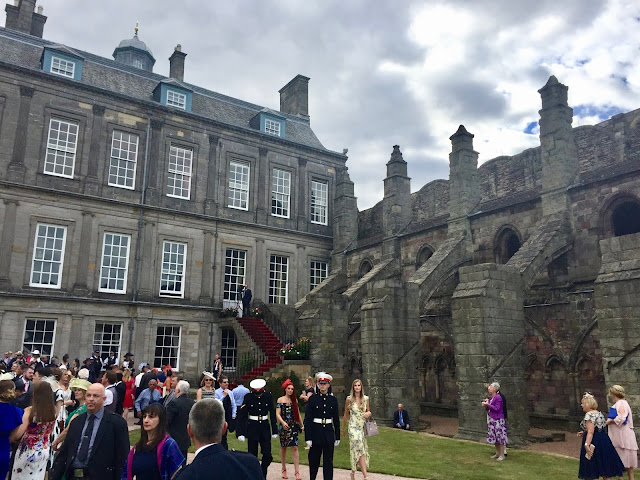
531 128
602 112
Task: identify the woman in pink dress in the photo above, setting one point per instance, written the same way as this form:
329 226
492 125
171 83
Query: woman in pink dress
621 430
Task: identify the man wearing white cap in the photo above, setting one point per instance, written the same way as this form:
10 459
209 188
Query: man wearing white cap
322 428
253 422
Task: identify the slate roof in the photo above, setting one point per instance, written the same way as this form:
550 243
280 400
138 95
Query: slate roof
26 50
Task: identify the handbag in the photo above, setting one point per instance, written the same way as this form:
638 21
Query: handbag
613 413
370 428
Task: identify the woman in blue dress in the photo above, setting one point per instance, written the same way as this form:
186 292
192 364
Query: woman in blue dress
598 457
10 421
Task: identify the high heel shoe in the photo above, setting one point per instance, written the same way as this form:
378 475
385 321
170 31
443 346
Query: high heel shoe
284 473
298 477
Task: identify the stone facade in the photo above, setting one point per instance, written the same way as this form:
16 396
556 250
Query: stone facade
521 270
113 98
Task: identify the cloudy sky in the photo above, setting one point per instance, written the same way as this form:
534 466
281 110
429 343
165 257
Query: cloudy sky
388 72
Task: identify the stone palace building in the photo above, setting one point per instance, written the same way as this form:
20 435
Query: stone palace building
134 206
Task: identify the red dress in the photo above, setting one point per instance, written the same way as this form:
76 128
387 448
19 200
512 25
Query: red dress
128 396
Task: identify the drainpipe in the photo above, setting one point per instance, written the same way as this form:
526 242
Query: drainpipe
143 198
213 292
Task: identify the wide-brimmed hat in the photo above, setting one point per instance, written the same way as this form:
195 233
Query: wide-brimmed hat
6 376
35 352
128 354
209 374
79 383
258 384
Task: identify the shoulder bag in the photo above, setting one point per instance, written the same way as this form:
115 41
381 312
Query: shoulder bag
370 428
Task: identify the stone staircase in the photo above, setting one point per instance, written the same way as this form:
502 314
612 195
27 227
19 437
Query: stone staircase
268 343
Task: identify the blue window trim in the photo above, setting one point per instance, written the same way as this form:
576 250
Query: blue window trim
48 55
273 118
165 87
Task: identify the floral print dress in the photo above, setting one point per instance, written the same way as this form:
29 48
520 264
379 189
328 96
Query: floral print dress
288 438
33 452
357 439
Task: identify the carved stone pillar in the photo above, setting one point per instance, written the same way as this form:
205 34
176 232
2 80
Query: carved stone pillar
264 183
301 207
91 183
153 195
17 168
6 242
82 269
210 202
205 292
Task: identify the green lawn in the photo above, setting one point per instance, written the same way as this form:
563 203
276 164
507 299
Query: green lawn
415 455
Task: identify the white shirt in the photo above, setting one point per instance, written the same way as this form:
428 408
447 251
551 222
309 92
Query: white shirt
138 378
109 399
202 448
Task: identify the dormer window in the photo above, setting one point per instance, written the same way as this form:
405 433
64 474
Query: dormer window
176 99
272 127
63 67
62 61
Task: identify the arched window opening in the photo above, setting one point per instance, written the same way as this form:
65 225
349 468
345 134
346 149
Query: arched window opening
625 219
365 268
507 244
423 255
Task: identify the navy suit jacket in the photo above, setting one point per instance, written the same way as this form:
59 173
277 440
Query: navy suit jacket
405 418
215 462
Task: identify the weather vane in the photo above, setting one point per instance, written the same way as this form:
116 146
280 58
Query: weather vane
136 29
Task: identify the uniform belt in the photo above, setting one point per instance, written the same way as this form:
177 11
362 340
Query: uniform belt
258 418
323 421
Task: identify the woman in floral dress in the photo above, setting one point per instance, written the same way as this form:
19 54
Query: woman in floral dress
356 412
38 421
289 422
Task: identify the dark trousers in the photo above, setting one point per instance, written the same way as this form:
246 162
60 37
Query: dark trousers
265 447
184 454
245 308
324 450
225 444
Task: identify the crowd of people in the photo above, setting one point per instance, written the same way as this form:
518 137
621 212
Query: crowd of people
70 420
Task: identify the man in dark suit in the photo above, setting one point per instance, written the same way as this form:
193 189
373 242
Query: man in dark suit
96 445
246 300
401 418
178 416
206 426
322 428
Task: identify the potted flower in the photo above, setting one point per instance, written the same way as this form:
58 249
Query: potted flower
229 312
255 312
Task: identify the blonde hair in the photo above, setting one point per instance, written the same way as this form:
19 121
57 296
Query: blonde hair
590 401
617 390
126 374
353 393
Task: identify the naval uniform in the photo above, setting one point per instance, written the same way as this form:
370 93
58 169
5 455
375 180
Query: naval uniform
253 423
322 427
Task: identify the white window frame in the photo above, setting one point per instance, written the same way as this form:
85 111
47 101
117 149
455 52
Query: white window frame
137 63
229 353
176 99
278 266
123 159
235 268
280 192
65 68
157 361
103 347
169 270
319 202
180 167
238 195
107 268
44 249
272 127
316 270
39 345
61 147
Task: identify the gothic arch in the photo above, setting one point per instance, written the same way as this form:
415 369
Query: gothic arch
620 215
365 267
424 254
506 242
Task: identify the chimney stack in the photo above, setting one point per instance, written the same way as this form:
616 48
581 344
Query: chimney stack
176 63
22 17
294 96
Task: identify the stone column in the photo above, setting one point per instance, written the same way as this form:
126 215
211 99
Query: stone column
82 269
83 339
92 185
146 272
617 298
210 202
205 292
153 191
488 333
264 185
301 273
6 242
260 274
17 168
302 209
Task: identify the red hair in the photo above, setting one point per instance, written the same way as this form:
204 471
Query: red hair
294 400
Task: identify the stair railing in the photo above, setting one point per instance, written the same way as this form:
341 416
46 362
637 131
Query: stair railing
247 362
279 329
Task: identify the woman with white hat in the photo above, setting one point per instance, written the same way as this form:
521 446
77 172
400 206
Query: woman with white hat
206 389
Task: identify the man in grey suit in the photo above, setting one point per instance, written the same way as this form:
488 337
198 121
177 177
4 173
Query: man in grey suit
178 416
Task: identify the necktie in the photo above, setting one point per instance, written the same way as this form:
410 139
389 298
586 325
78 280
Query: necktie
83 451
